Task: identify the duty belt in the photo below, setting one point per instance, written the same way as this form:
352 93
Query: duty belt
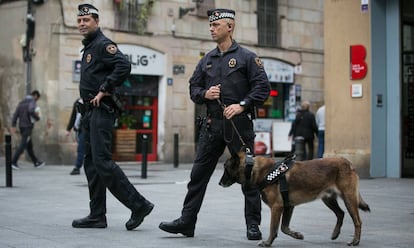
87 106
216 115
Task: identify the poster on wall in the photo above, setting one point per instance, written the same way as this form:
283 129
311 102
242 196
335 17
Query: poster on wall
262 143
280 139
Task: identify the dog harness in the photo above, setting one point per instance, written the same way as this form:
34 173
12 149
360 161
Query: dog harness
249 162
277 174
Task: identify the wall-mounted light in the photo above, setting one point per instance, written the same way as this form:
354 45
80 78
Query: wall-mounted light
183 11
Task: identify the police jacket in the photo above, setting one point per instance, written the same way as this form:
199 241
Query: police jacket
103 66
25 112
240 73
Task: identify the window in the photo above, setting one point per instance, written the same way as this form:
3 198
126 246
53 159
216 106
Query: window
267 22
203 6
131 16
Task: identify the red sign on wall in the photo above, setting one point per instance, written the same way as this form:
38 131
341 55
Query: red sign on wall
358 64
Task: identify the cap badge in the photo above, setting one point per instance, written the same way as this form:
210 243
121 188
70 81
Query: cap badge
85 10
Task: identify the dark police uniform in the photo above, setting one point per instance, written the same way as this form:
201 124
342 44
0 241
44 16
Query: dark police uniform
103 68
243 81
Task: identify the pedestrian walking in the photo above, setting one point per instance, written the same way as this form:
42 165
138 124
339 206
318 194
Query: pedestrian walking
305 126
320 121
27 113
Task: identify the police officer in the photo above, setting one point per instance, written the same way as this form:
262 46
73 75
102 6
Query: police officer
103 68
230 81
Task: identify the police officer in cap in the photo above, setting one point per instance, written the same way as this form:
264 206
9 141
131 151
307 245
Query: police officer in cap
103 68
230 81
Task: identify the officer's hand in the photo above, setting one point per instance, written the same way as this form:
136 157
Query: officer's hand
12 130
97 99
233 110
213 93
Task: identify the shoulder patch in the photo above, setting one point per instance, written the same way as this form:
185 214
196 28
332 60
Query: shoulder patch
259 62
112 49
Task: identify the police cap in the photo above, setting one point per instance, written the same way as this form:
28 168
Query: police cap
87 9
216 14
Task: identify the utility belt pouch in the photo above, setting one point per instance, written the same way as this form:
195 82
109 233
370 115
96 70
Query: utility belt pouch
81 108
117 102
199 124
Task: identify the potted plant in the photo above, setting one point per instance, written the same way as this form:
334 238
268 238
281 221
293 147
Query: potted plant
126 121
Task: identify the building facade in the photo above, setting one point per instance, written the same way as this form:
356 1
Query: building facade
369 84
164 40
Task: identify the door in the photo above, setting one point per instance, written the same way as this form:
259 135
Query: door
408 101
139 95
145 113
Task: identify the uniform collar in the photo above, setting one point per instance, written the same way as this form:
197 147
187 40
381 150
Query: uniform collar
232 48
90 37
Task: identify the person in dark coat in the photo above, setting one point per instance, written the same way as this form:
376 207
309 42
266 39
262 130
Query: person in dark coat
230 81
27 113
305 126
103 68
75 124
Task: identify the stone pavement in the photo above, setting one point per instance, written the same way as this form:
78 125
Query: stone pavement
38 211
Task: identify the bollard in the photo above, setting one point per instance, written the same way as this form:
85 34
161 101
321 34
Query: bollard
9 181
144 156
300 148
176 150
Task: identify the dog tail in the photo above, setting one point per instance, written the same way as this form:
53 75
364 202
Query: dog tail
363 205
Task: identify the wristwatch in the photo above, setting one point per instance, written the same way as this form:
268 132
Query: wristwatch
242 103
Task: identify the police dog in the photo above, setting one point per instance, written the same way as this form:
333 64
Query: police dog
324 178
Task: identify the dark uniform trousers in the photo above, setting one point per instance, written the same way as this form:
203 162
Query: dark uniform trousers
101 171
213 139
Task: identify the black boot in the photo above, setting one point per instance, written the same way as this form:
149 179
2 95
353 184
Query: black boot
90 222
178 226
253 232
137 217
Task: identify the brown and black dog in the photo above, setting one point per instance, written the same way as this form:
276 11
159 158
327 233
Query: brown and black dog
324 178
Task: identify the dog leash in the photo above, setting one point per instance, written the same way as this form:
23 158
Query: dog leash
249 161
223 106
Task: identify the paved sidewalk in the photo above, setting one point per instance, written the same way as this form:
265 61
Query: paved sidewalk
38 211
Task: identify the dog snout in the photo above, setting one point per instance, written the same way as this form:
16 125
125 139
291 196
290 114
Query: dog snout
226 180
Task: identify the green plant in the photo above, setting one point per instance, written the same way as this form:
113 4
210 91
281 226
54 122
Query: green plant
126 121
143 16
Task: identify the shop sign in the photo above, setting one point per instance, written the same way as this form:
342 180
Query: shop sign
358 64
278 71
144 61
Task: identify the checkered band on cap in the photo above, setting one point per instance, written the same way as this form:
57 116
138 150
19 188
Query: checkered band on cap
87 9
216 14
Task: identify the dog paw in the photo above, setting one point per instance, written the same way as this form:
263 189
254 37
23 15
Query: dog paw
264 244
354 242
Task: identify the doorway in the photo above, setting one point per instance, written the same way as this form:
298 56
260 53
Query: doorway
407 89
408 101
139 95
